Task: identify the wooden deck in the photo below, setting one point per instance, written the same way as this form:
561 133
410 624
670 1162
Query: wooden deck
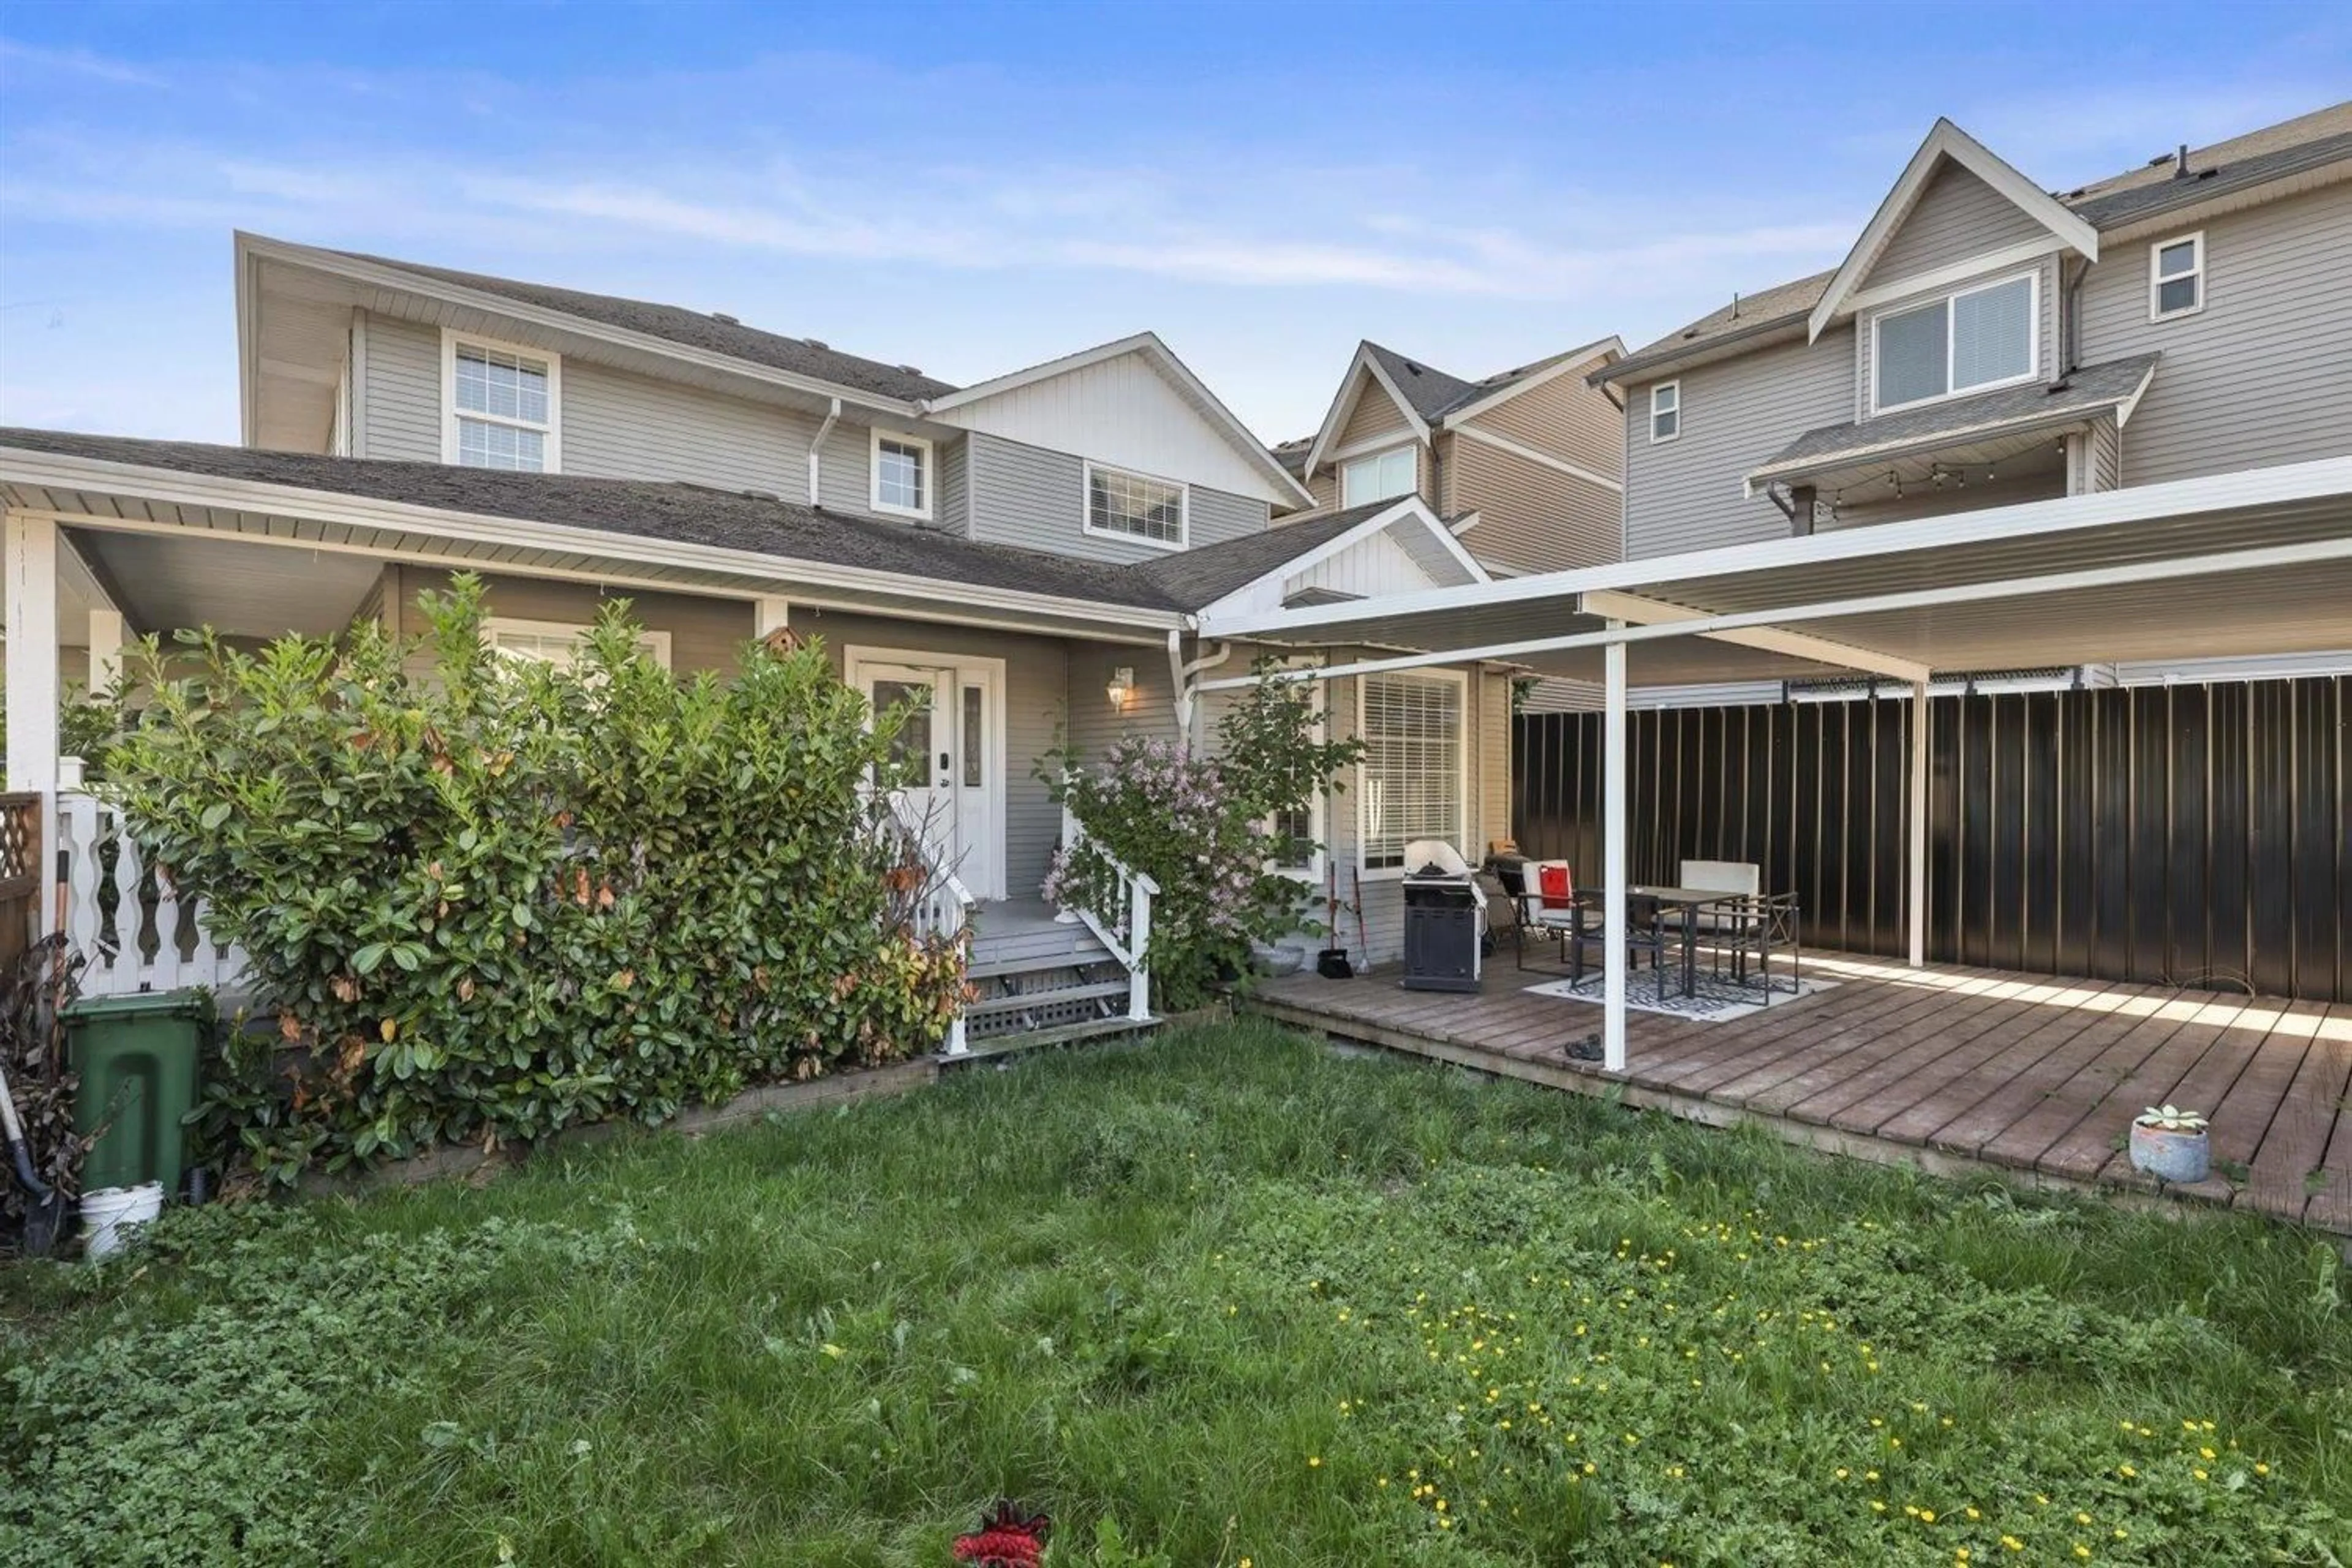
1948 1067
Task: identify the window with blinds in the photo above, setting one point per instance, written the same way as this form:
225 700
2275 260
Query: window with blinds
1411 727
1966 341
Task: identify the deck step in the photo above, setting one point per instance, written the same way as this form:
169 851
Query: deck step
1057 995
998 969
1060 1035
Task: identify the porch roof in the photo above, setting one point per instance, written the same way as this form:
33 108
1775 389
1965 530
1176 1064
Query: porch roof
2255 562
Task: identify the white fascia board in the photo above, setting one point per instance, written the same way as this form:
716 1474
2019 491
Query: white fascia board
1362 367
1149 346
61 471
2321 480
1610 349
1407 510
1636 610
2125 409
381 275
1947 141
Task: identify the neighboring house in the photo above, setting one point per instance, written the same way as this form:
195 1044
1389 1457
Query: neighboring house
1526 465
1986 342
1031 553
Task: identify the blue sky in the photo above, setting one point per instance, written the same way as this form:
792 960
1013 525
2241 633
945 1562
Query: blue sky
978 187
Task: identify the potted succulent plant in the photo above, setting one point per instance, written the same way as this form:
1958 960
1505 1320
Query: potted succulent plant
2172 1143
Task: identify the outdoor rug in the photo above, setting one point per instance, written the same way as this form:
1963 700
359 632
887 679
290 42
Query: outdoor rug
1718 999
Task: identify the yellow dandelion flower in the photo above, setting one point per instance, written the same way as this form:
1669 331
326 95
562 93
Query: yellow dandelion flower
1927 1516
1314 1461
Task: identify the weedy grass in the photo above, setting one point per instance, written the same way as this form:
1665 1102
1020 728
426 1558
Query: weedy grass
1223 1298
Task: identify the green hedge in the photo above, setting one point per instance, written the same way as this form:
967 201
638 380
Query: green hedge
486 899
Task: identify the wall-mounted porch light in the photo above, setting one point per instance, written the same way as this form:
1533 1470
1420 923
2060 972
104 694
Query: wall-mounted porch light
1122 687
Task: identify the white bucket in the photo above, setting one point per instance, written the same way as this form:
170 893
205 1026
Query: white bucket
108 1214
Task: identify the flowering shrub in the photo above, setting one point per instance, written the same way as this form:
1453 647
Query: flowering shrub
1204 827
486 899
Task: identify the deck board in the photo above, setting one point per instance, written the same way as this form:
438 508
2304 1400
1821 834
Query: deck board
1950 1066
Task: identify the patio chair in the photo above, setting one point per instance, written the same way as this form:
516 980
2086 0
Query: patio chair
1744 878
1760 927
1646 932
1545 905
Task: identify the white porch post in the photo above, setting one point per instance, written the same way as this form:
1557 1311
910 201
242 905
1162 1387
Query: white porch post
28 580
1916 824
106 632
770 613
1613 857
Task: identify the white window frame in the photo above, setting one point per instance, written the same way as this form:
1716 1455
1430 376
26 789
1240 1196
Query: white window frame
1318 826
1460 680
1674 386
2156 280
876 436
655 642
1383 454
2033 371
1087 470
450 414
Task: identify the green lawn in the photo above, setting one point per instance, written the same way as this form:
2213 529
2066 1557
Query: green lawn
1251 1301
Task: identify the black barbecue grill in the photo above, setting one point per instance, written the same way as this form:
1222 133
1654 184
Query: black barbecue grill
1444 919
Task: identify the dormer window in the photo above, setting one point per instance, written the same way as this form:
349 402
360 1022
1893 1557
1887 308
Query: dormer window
1966 341
1123 505
1378 476
499 403
902 475
2176 277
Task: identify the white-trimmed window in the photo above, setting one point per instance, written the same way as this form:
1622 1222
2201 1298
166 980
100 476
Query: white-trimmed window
501 405
902 474
1969 340
1665 411
1414 781
1304 825
1123 505
1376 476
556 642
2176 277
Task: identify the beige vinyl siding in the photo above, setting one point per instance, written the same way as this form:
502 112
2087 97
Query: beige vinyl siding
401 417
1684 494
2047 345
1565 419
1036 680
1956 216
704 633
2262 374
1531 517
1376 415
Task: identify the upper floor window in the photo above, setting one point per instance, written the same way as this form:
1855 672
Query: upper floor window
902 474
1135 506
1966 341
500 403
1377 476
1665 411
2176 277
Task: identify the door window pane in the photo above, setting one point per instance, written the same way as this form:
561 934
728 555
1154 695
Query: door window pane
974 738
911 747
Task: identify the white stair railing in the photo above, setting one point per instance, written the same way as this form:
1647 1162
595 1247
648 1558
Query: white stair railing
126 921
1128 931
945 910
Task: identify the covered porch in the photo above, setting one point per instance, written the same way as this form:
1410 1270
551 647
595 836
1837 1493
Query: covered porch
2256 562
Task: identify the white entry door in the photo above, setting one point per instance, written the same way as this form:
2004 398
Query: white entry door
953 753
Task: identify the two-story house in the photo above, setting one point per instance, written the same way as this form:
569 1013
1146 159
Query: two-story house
1027 556
1986 341
1525 465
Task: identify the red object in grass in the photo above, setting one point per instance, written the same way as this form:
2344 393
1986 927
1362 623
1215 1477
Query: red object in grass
1004 1540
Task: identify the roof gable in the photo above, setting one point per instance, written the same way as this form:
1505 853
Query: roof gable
1391 546
1367 377
1130 402
1947 143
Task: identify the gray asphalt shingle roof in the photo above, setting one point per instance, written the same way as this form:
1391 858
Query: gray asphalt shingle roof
696 514
2274 153
695 329
1988 414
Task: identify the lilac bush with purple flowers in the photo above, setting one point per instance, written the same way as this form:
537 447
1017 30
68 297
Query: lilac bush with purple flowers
1201 824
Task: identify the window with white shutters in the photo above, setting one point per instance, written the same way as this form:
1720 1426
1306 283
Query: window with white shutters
1412 726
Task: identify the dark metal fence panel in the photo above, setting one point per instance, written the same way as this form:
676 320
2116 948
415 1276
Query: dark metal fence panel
2198 834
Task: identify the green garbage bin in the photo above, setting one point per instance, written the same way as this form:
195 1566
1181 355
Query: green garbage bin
137 1056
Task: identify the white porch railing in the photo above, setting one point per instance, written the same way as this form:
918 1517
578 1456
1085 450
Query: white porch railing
1128 933
945 910
127 922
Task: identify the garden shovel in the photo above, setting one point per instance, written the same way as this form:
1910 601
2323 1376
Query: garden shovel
46 1215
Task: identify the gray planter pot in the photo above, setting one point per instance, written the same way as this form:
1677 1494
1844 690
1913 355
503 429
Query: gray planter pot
2179 1157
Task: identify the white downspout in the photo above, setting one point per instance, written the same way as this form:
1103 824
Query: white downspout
1186 677
831 416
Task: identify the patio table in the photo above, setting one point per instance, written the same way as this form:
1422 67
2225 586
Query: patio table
1689 901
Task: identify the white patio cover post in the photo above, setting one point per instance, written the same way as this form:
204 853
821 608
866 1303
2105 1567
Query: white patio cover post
1612 855
105 637
28 563
1916 811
